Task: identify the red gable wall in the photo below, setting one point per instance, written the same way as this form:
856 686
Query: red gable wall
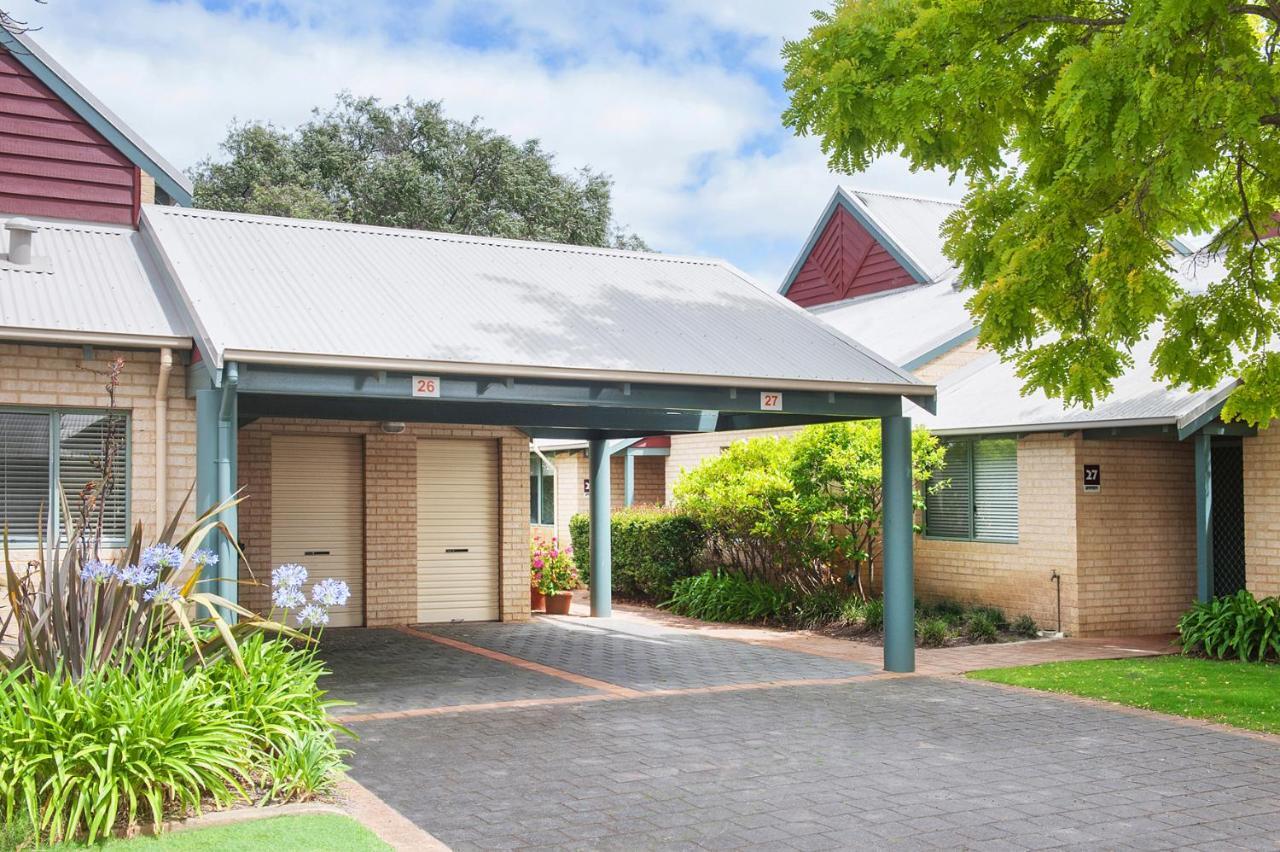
846 261
52 163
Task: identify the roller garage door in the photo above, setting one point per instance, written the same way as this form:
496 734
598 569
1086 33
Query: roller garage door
457 530
317 513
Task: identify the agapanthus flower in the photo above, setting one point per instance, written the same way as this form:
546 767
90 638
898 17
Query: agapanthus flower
204 558
312 615
162 557
162 594
288 597
98 571
330 592
290 574
138 575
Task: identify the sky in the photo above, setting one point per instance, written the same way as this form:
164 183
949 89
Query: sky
680 101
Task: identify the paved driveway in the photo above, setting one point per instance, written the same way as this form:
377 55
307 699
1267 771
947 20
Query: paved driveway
809 757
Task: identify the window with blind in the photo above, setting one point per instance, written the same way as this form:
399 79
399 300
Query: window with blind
980 501
48 455
542 492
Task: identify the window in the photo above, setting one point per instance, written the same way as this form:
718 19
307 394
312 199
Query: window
542 492
981 501
41 449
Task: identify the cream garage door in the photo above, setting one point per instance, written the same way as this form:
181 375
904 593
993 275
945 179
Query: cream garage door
317 513
457 530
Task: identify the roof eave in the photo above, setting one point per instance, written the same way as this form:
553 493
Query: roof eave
77 337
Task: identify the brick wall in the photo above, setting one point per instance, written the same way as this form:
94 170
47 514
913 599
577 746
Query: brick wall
45 377
391 498
1262 511
962 356
1016 577
572 468
1135 538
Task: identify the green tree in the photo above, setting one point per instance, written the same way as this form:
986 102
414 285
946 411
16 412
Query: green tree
408 166
1092 133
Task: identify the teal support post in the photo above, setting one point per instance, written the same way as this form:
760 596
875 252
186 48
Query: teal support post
628 478
228 559
208 404
1204 516
897 534
601 555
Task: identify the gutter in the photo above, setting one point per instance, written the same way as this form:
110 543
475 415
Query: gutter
94 338
291 359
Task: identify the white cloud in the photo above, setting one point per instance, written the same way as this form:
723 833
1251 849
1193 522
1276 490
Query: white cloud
670 102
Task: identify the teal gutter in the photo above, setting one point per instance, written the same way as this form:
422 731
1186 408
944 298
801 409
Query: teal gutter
48 72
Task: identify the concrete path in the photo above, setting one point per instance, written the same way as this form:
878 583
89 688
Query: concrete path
638 735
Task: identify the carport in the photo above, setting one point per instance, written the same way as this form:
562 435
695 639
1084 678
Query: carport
315 325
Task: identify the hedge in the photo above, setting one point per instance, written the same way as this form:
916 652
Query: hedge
652 549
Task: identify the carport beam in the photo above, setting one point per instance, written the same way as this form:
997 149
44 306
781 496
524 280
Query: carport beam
601 557
897 532
1204 516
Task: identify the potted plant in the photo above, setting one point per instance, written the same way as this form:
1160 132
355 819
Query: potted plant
537 600
556 577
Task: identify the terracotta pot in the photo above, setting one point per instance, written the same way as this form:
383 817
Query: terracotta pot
537 600
558 603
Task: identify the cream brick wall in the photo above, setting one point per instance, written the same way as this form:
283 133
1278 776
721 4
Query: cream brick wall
1262 511
962 356
1016 577
1135 538
572 469
391 499
44 377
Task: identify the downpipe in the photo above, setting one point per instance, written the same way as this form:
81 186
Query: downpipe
227 561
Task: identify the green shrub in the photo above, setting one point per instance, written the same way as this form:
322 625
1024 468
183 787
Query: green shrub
980 626
953 612
992 613
1238 625
873 614
729 597
820 607
651 547
1025 625
135 743
852 610
932 632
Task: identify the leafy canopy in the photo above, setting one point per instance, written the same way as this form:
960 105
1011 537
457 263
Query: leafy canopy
408 166
1092 133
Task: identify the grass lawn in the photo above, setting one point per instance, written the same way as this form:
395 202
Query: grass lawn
304 832
1246 695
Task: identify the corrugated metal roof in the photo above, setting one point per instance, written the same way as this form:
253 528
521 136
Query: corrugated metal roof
265 288
87 281
902 324
986 396
914 224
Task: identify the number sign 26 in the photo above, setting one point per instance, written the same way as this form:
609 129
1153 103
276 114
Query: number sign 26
770 401
426 386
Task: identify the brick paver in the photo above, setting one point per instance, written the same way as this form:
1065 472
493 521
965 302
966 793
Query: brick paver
902 763
385 670
645 657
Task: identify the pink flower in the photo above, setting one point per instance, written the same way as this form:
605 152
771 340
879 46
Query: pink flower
537 562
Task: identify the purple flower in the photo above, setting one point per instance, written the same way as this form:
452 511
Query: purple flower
288 597
312 615
138 575
203 558
290 574
162 557
330 592
162 594
98 572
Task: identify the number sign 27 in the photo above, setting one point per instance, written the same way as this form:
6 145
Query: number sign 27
426 386
770 401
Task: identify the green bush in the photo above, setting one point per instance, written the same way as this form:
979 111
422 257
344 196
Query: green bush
851 611
1025 625
952 612
980 626
873 614
652 548
994 614
727 596
141 741
820 607
1238 625
932 632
